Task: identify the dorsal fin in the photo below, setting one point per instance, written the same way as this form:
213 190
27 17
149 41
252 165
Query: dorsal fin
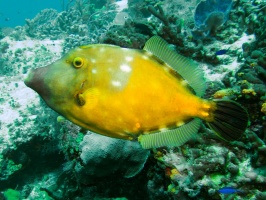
174 137
187 68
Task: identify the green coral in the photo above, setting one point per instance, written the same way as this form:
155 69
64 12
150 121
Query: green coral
75 145
8 167
11 194
13 167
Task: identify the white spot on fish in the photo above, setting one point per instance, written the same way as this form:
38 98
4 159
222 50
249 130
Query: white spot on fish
94 71
129 58
110 69
166 69
145 57
93 60
148 53
162 129
184 82
180 123
110 60
125 68
102 49
116 83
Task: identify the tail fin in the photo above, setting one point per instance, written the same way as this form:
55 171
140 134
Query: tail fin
230 120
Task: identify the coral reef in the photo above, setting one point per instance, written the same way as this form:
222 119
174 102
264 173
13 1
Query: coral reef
55 159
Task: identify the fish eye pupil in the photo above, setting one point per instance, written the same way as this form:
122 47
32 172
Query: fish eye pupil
78 62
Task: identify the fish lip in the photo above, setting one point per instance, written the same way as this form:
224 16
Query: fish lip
35 79
28 77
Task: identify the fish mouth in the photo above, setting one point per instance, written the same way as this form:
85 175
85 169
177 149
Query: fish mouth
35 80
28 78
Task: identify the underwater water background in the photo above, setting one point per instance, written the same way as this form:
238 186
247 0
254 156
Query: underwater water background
45 156
13 12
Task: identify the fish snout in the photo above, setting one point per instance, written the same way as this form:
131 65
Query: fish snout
35 80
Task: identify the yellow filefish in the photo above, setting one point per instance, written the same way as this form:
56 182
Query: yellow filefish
150 95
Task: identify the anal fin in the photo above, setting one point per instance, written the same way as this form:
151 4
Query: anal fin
174 137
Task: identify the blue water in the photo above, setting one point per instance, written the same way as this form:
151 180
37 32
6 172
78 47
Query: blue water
14 12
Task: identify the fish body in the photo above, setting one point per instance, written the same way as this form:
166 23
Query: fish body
229 190
120 18
221 52
127 93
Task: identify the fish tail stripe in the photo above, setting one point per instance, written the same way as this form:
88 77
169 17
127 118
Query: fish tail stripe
185 67
230 120
175 137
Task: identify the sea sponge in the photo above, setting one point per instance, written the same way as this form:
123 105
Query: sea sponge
209 15
249 92
263 108
223 93
11 194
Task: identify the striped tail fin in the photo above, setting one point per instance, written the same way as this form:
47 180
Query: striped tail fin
230 120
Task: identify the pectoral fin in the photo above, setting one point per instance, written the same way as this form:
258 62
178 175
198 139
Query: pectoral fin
88 98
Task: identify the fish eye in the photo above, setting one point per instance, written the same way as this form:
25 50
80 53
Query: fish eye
78 62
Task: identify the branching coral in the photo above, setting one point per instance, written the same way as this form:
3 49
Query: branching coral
168 28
